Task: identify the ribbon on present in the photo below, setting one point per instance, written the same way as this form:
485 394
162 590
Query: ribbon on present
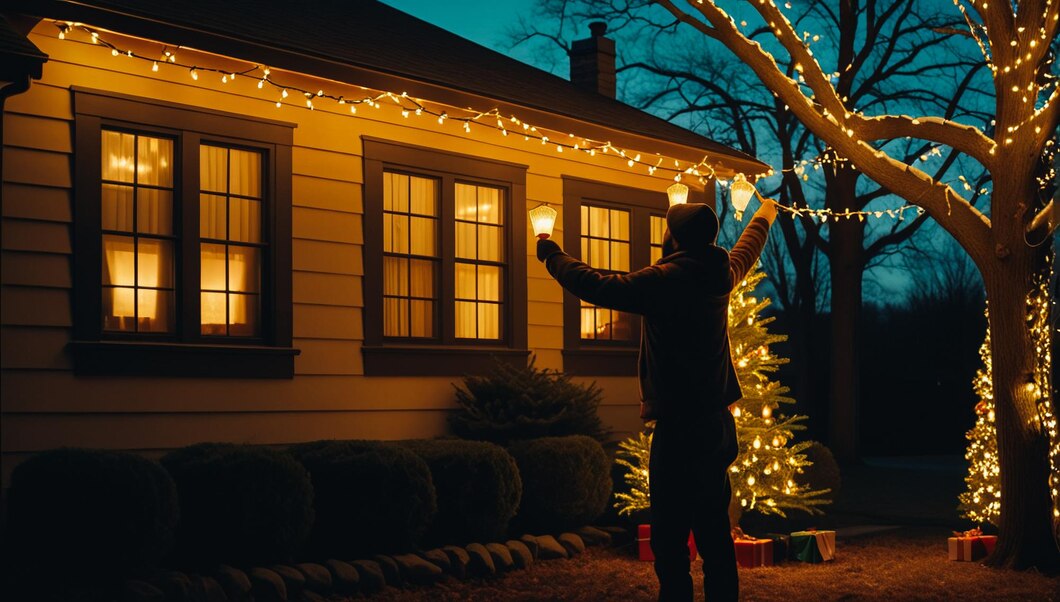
970 545
976 532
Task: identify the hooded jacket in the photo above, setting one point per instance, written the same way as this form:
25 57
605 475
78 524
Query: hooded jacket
685 364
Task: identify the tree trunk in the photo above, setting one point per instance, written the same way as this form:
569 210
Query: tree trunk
1026 538
847 268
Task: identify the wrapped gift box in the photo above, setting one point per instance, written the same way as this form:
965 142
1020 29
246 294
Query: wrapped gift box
970 546
813 546
644 544
781 546
752 552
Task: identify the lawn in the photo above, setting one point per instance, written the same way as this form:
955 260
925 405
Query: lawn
904 563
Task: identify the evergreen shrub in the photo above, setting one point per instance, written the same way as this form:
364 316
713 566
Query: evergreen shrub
240 504
371 497
91 511
823 473
566 482
513 403
478 489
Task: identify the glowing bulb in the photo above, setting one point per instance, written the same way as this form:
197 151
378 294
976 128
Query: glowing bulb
677 193
740 192
543 220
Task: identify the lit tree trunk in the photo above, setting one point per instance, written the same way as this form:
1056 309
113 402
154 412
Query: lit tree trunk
847 268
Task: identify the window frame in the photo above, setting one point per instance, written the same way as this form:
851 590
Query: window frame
444 355
185 351
593 357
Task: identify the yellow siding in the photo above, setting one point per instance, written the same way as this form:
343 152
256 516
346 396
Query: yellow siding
45 405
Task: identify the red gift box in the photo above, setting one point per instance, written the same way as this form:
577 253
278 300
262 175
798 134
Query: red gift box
752 552
969 546
644 544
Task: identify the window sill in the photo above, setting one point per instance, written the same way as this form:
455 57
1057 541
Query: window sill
141 358
600 362
437 361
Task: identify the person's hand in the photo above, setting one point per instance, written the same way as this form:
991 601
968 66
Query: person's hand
768 210
546 247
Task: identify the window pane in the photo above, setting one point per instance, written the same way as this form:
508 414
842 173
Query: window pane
119 309
244 269
465 281
212 268
245 176
421 278
466 202
242 315
490 243
213 313
489 323
588 323
619 224
395 317
423 196
156 310
154 161
489 283
656 254
154 211
620 256
213 168
117 207
658 227
585 220
399 233
422 236
465 240
422 318
598 222
154 263
466 319
119 261
118 159
395 276
244 220
212 216
398 197
490 209
599 254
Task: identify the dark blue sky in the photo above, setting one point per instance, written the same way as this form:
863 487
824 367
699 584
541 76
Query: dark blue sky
483 21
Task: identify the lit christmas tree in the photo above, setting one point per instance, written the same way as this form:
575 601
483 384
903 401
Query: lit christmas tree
764 474
982 501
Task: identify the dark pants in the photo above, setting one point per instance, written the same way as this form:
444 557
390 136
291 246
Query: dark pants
689 481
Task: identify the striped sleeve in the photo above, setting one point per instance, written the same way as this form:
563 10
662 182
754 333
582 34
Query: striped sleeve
745 252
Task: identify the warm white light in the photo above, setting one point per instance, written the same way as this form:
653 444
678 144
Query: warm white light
740 192
543 219
677 193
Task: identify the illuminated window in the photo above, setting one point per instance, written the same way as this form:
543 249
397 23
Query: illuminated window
182 246
479 269
658 229
136 211
605 244
230 241
410 255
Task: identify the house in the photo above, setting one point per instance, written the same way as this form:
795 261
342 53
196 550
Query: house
273 222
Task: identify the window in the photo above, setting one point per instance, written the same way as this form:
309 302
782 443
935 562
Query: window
182 254
445 261
618 229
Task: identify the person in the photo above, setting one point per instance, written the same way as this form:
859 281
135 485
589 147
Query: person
687 382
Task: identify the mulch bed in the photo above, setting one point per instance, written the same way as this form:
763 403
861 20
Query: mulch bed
907 563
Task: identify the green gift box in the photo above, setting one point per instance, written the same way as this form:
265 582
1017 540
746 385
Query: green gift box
813 546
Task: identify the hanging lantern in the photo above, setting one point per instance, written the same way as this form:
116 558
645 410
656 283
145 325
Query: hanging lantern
741 192
543 219
677 193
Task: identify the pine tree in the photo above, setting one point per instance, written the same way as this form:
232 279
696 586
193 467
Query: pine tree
764 474
982 500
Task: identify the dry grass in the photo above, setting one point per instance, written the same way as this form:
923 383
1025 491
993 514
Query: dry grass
901 564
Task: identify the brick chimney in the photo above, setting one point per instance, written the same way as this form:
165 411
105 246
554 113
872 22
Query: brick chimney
592 61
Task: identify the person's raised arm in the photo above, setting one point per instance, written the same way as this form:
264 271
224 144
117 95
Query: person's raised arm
745 252
637 292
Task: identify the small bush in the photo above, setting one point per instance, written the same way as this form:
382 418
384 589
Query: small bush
478 489
566 482
514 403
91 511
240 504
371 496
824 473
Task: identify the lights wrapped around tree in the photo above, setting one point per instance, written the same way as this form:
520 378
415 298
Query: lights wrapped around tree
765 474
543 220
981 502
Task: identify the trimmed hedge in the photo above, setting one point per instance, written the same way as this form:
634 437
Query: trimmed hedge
371 496
94 512
566 482
240 504
478 489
